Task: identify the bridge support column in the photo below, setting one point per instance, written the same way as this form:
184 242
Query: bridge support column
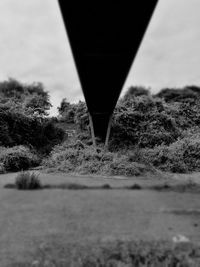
103 135
92 130
108 133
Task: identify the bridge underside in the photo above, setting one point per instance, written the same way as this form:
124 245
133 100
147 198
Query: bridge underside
104 39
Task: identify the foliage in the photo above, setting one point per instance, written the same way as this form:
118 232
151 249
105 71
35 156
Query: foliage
17 128
18 158
143 121
23 109
138 254
119 254
121 167
32 99
74 113
27 181
37 105
190 114
179 94
155 125
67 111
164 128
82 118
79 158
48 136
182 156
135 91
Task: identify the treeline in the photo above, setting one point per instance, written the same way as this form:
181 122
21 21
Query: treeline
26 133
142 119
160 130
23 117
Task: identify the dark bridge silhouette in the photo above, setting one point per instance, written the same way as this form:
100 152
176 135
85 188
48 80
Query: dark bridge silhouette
104 38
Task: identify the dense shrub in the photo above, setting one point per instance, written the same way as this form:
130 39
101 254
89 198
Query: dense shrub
23 121
143 121
17 128
186 114
27 181
163 127
147 121
160 130
48 136
31 98
134 91
179 94
182 156
18 158
69 157
88 160
121 166
74 113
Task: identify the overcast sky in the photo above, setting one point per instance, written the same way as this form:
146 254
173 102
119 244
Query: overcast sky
34 47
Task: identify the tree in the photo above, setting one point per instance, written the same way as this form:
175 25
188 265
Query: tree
185 94
134 91
67 111
74 113
32 99
17 128
82 117
37 105
143 121
22 117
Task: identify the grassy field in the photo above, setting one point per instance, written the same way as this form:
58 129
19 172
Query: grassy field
30 219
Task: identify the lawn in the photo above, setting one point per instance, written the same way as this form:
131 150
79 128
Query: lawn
30 219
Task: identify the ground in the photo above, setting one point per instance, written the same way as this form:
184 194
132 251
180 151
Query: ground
30 219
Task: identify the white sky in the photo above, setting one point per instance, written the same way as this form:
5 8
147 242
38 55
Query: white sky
34 47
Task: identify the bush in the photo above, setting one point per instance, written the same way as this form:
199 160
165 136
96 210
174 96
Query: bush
135 187
106 186
142 121
90 167
27 181
122 167
75 157
18 158
180 157
186 94
88 160
17 128
134 91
